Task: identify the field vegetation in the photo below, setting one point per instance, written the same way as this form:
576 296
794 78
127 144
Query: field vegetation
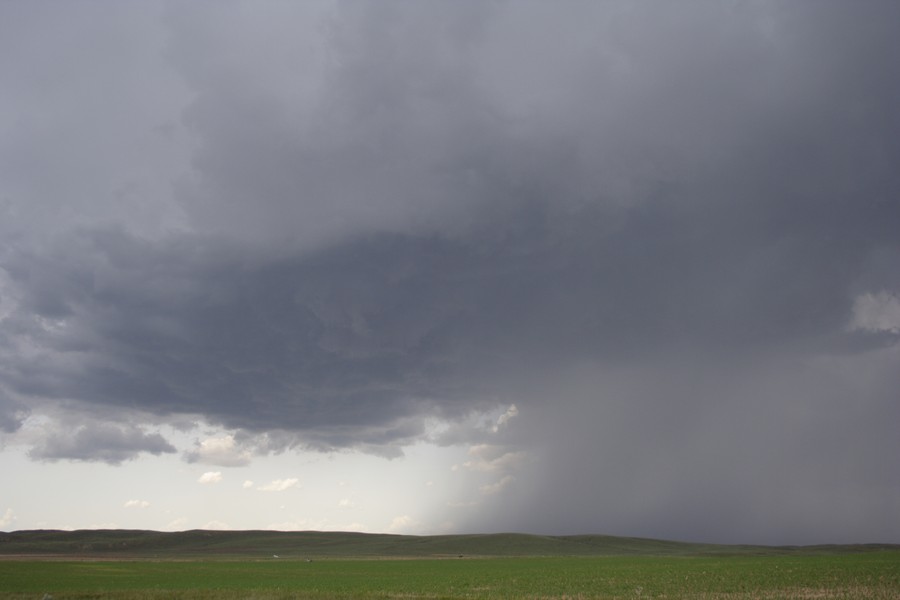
325 566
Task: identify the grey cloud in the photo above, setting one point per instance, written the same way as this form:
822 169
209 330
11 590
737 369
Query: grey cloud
181 329
87 98
358 340
101 442
345 345
376 139
12 413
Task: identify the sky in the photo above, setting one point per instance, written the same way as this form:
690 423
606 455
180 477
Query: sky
628 268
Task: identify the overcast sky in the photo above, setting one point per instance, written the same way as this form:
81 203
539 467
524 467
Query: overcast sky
423 267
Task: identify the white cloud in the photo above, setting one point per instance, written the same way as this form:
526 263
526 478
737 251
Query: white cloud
474 427
876 312
7 518
216 525
402 524
136 504
497 487
406 524
279 485
292 525
177 525
488 458
210 477
247 484
320 524
346 503
220 451
511 413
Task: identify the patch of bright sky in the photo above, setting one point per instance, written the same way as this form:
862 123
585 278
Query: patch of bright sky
418 493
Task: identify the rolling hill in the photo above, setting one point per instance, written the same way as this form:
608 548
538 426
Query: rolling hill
317 544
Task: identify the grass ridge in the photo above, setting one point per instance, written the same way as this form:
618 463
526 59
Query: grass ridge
126 543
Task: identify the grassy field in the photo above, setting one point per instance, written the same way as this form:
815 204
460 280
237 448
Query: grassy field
140 565
860 575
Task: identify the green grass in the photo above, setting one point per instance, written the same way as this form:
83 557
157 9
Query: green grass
149 565
858 575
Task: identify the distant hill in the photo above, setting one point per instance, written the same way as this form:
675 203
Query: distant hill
119 543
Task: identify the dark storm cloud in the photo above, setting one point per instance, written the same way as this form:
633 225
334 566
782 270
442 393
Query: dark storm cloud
86 117
12 413
647 225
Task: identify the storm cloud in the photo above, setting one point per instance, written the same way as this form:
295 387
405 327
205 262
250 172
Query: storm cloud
666 234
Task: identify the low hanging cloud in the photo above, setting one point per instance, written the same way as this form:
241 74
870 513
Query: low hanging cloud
219 451
511 413
136 504
665 246
104 442
877 313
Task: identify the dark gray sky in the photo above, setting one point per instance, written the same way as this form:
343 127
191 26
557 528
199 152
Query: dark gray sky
664 238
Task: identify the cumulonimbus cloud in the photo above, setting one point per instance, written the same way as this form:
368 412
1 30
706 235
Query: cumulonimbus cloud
677 216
